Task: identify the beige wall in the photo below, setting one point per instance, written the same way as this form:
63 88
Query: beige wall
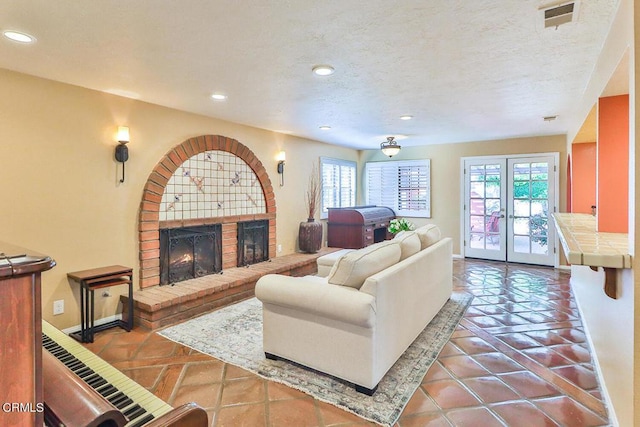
445 173
60 189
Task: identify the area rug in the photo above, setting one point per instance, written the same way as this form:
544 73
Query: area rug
234 335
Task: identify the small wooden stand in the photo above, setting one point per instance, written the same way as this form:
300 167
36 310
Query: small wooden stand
97 278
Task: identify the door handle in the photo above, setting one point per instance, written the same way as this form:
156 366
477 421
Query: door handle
502 216
510 216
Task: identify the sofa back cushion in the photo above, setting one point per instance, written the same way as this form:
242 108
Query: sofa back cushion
355 267
428 234
409 243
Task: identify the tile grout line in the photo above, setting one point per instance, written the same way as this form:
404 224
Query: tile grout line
563 385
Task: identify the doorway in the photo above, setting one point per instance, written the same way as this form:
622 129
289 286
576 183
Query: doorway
508 201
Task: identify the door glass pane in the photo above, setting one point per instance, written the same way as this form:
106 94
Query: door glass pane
493 205
477 224
476 173
521 207
540 171
476 241
493 173
521 172
539 190
477 189
521 244
521 226
493 241
476 206
539 207
521 189
492 189
493 223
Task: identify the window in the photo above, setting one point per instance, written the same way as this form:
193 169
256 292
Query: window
404 186
338 184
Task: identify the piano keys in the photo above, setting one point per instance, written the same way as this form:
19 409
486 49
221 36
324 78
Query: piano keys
137 404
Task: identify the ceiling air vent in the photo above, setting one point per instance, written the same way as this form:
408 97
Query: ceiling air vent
560 14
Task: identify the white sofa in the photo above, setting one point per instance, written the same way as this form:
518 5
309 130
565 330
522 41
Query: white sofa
356 323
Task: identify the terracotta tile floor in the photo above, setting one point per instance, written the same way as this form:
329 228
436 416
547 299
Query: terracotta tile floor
519 357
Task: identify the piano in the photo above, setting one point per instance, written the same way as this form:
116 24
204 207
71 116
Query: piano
50 379
108 396
20 343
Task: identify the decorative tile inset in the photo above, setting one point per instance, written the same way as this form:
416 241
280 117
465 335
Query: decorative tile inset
212 184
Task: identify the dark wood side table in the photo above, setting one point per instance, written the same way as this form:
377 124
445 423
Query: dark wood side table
98 278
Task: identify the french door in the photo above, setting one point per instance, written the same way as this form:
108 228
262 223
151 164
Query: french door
507 204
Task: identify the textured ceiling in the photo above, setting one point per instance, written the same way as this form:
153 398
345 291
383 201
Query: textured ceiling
466 70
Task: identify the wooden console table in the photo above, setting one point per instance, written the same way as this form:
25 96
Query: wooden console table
98 278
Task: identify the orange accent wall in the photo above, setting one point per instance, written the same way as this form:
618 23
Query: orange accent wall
613 164
583 177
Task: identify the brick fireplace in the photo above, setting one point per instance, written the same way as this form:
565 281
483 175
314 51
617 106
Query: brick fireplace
206 180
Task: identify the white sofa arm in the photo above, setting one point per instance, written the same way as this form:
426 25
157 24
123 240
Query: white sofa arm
323 299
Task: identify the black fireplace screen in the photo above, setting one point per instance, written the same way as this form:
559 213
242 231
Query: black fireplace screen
190 252
253 242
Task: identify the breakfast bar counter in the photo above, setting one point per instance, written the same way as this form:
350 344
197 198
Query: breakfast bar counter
583 245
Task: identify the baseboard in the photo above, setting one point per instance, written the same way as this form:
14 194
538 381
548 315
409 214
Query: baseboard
564 267
96 323
457 256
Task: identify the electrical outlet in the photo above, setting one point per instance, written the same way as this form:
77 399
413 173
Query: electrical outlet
279 248
58 307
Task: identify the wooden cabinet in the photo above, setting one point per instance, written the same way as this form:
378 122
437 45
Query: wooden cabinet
359 226
21 339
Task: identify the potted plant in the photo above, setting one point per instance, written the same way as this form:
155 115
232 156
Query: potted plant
310 232
400 224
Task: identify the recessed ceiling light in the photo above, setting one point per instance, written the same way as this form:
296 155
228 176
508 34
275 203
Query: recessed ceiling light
406 117
325 127
323 70
19 37
219 97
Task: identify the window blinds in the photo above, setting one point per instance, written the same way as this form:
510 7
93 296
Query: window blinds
338 184
403 186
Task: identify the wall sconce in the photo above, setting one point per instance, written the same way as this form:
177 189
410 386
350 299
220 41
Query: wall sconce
122 152
281 158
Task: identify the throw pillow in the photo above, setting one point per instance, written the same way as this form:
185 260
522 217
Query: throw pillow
355 267
409 244
429 234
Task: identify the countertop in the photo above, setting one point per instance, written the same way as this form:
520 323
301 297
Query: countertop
583 245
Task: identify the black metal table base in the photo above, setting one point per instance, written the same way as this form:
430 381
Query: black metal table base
88 285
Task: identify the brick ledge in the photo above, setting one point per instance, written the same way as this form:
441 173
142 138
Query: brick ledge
159 306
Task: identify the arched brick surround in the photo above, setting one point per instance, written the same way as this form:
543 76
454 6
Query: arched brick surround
149 216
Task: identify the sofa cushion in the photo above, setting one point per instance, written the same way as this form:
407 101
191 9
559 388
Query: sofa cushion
428 234
326 262
409 243
355 267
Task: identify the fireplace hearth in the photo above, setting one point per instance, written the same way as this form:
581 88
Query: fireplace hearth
253 242
190 252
